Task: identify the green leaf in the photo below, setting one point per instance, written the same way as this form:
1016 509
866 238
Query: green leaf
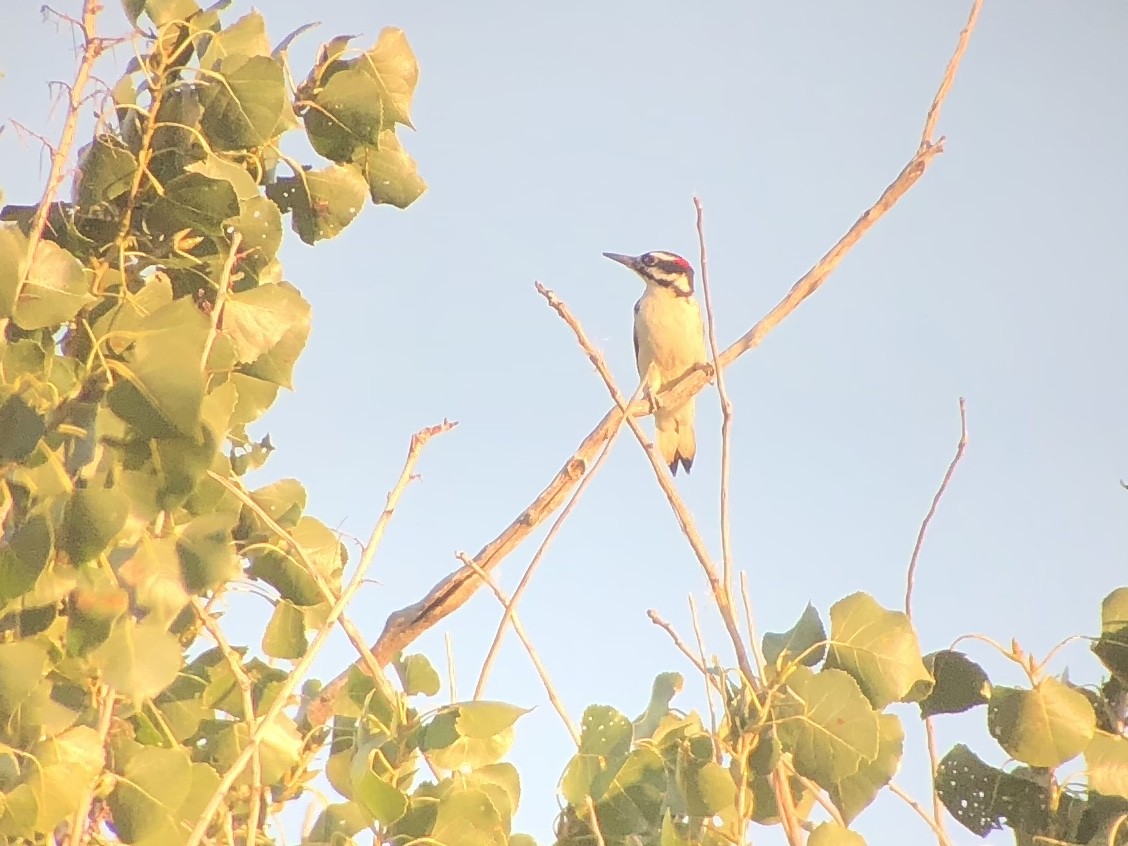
827 724
344 114
192 201
243 102
153 573
24 556
805 641
381 800
261 320
879 649
21 427
153 785
284 501
260 224
1106 764
391 174
630 798
139 659
448 741
55 289
853 794
255 397
961 684
338 821
417 675
468 818
481 720
105 171
207 553
392 64
980 796
1043 727
322 202
92 519
1112 646
283 570
605 732
832 834
218 168
13 250
285 633
502 784
707 789
665 687
22 664
163 389
245 37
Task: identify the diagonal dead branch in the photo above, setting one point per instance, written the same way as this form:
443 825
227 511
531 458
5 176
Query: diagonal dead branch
453 591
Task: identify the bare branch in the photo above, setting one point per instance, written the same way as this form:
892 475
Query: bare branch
527 577
726 406
910 581
534 656
910 578
92 49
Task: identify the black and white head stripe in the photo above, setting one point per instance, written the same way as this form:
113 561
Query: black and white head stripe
667 270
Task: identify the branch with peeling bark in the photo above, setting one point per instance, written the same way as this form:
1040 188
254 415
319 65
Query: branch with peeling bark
407 624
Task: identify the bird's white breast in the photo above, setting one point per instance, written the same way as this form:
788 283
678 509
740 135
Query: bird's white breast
669 333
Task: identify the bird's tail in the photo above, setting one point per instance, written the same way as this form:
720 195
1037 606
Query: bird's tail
674 434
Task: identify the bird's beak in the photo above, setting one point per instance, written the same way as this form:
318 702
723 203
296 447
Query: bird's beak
627 261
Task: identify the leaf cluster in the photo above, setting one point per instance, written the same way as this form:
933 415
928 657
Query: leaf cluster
666 779
146 325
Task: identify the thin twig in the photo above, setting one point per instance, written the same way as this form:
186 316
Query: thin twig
599 839
910 581
81 819
705 663
453 591
910 577
817 792
527 576
937 828
680 644
722 394
534 656
452 679
265 723
750 623
92 49
221 296
950 74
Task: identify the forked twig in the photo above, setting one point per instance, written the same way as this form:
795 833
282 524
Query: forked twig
418 441
534 656
527 577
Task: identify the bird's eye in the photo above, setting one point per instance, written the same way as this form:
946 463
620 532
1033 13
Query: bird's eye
648 260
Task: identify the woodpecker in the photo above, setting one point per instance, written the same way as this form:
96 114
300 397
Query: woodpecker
669 340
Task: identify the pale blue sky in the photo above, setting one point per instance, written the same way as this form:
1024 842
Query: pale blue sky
552 133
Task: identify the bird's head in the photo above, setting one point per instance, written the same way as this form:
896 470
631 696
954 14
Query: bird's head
659 268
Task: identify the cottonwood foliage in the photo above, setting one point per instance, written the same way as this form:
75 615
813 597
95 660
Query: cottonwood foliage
147 325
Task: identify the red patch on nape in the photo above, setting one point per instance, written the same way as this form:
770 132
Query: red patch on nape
685 265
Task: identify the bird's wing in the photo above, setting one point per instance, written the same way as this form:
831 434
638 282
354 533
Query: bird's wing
637 306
